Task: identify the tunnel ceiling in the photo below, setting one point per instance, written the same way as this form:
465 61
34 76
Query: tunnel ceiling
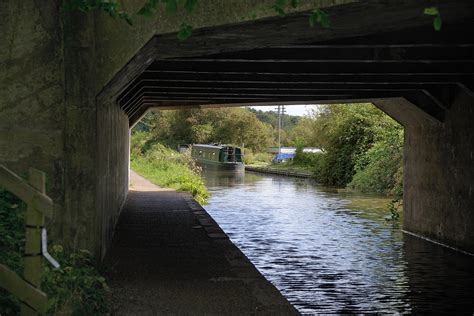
220 66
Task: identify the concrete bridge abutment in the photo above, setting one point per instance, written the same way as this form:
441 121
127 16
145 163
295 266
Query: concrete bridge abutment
438 195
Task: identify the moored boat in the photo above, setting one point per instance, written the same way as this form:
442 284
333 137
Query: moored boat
218 157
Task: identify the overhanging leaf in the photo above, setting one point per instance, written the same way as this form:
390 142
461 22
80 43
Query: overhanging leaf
124 16
189 5
294 3
148 8
431 11
319 17
185 31
279 7
144 11
324 20
437 23
171 6
279 10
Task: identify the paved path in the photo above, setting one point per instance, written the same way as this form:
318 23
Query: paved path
169 257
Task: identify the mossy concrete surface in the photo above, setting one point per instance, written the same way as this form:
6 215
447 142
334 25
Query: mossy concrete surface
118 42
53 65
438 191
32 94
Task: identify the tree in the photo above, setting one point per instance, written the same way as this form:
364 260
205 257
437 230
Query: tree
225 125
346 133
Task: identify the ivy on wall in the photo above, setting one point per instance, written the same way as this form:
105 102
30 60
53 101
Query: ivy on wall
115 10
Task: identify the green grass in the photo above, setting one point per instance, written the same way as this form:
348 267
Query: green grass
170 169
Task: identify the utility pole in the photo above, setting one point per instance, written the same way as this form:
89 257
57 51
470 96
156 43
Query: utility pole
281 115
283 110
279 126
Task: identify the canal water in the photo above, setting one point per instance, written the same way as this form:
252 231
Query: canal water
331 251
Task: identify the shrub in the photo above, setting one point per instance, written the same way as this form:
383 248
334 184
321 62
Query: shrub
260 158
12 241
380 169
263 158
362 147
76 287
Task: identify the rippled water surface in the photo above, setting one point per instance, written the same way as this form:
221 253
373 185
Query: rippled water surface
333 252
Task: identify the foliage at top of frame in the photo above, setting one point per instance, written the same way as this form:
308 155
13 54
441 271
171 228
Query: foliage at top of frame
150 7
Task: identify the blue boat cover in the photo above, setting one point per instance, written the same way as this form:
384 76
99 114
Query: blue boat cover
281 157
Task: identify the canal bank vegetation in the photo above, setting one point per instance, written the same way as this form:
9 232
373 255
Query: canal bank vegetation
76 288
258 159
362 148
166 167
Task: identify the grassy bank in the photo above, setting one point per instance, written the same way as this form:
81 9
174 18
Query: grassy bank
77 287
166 167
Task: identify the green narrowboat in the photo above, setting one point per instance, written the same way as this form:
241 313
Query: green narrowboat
218 157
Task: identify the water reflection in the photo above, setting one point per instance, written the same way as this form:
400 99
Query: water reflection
435 279
332 251
228 179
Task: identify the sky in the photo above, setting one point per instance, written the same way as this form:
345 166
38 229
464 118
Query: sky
296 109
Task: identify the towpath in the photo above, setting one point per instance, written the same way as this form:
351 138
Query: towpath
169 257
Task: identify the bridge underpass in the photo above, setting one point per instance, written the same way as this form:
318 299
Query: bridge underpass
72 91
74 83
420 77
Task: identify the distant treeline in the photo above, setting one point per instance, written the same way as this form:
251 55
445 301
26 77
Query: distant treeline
254 130
271 117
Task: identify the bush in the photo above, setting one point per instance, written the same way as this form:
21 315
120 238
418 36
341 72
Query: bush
380 169
300 157
12 241
362 147
351 135
75 288
306 159
260 158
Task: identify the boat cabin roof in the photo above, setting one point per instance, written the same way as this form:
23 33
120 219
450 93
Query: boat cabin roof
211 146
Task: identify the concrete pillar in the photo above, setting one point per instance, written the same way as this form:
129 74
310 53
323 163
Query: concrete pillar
438 171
